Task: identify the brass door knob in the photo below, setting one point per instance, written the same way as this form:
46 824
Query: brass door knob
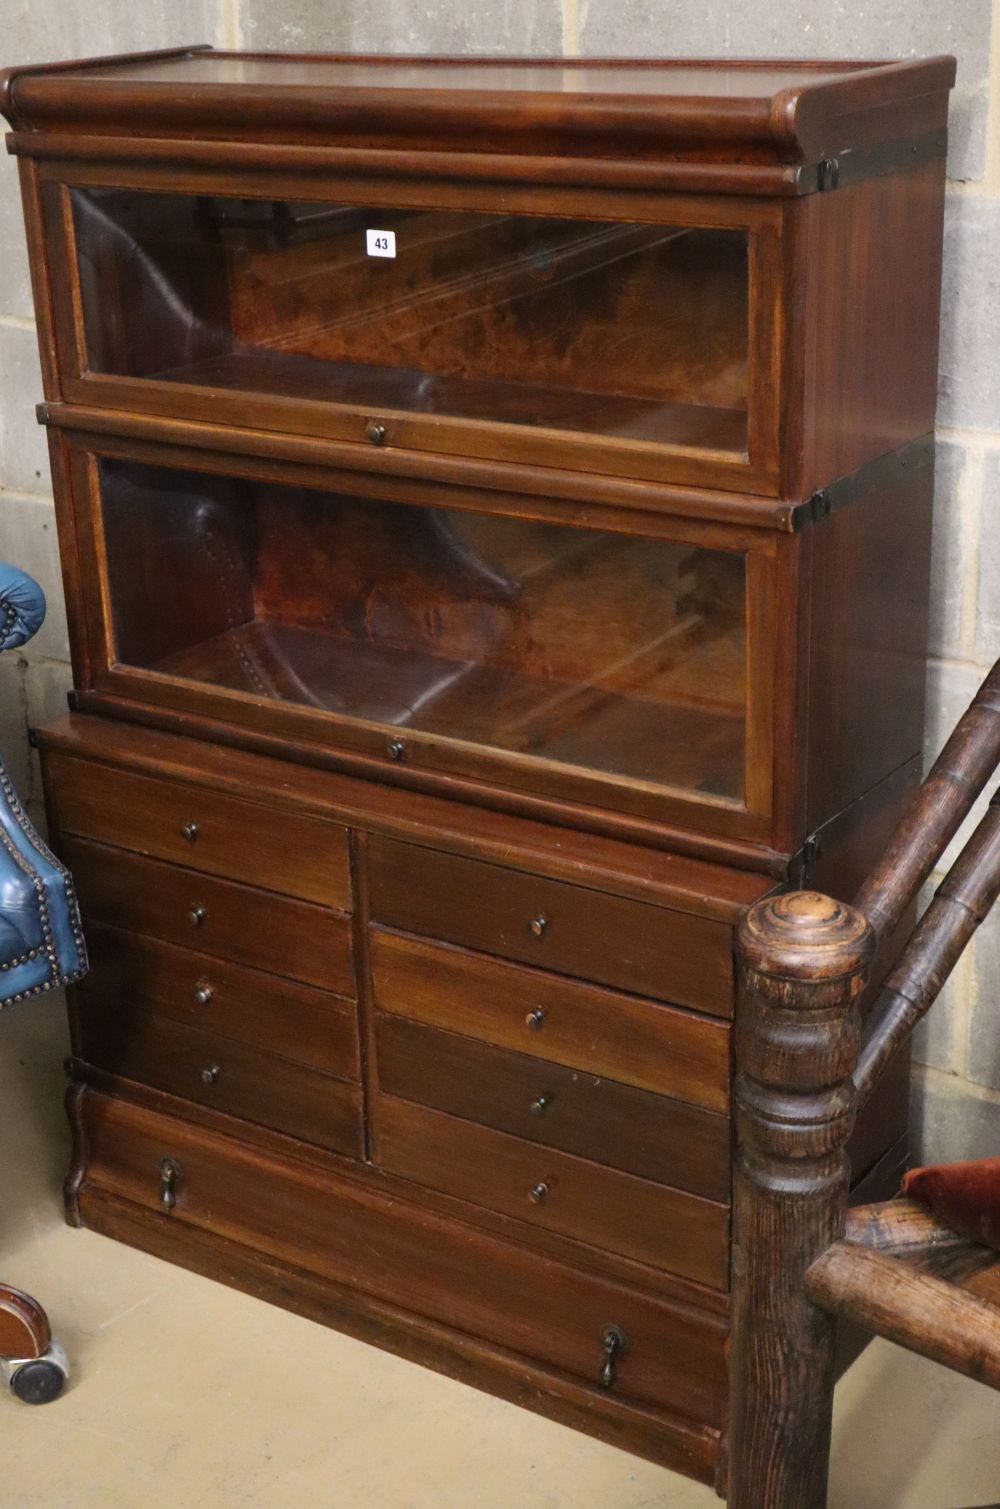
537 926
210 1074
189 831
535 1018
541 1105
203 992
197 915
538 1194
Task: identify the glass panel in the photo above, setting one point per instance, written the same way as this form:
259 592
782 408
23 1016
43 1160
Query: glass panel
619 330
618 654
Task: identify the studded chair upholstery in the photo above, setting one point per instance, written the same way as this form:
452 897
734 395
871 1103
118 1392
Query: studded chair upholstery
41 948
41 942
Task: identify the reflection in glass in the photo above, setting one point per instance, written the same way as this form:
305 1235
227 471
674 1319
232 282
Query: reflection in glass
628 330
614 653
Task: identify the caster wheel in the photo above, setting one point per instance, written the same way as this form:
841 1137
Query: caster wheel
39 1380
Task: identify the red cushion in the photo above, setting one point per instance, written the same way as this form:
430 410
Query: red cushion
965 1197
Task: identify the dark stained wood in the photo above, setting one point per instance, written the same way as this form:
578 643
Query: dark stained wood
662 1227
599 1119
557 1020
803 959
671 1440
623 944
243 841
200 1065
915 1310
307 1025
937 810
869 360
868 646
503 1294
757 111
903 1229
665 877
274 933
961 904
280 468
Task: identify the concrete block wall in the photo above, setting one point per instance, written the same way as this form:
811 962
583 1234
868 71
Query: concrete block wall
958 1077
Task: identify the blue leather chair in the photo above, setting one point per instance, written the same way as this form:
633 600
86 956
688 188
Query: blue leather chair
41 949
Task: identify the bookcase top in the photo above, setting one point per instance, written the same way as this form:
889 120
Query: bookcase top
764 112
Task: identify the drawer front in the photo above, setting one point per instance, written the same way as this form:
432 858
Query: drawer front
225 1075
467 1279
617 1212
562 1021
310 1026
566 928
273 933
597 1118
202 829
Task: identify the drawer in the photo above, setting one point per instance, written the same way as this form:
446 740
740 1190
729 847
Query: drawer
567 928
274 933
310 1026
562 1021
390 1249
201 828
225 1075
617 1212
595 1117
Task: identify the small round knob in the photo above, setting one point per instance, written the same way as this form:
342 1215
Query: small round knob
541 1105
203 992
210 1074
538 1194
197 915
396 749
375 431
190 832
537 926
535 1018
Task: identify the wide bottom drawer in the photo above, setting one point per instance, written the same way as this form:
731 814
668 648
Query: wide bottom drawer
672 1355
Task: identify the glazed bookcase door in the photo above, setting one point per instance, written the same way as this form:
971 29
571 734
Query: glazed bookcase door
634 336
623 667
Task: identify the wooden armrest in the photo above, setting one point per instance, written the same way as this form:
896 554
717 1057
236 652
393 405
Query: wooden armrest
913 1309
904 1229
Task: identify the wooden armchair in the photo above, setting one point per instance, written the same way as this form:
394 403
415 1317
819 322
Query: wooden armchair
805 1064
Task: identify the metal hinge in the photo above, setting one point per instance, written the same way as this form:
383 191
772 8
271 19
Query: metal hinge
827 174
803 862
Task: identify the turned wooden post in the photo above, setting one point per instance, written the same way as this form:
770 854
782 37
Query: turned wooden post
803 960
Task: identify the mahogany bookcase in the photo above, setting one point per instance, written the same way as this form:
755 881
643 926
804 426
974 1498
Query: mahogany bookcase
494 501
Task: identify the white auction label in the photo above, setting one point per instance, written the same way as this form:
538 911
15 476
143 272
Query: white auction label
381 243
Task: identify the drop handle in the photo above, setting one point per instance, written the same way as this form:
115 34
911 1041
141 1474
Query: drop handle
170 1173
613 1344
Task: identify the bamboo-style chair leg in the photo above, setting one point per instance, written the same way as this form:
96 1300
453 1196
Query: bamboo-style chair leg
797 1040
33 1364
